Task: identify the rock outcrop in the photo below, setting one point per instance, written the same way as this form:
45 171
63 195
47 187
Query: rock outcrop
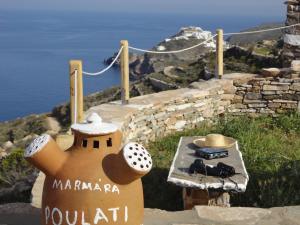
153 63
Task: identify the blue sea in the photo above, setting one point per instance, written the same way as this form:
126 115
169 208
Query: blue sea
36 46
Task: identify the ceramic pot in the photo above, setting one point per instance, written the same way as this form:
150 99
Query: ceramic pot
95 181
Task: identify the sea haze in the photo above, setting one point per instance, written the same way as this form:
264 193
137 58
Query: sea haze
35 48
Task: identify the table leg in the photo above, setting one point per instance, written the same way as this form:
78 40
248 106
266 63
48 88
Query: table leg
192 197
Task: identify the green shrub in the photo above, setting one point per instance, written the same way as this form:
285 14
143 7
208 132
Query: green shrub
35 125
14 167
20 128
288 122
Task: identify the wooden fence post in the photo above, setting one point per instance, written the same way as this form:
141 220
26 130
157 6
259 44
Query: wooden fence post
219 51
125 72
76 94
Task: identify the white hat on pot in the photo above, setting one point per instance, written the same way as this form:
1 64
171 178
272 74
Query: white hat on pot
93 125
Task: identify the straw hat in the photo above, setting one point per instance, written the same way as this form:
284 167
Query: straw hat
94 126
215 141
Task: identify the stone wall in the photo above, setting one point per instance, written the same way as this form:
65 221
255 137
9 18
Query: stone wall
156 115
266 95
291 50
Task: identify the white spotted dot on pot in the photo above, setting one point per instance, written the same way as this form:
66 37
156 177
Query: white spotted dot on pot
37 145
137 157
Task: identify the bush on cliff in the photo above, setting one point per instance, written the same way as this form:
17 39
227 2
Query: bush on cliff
14 167
18 129
16 178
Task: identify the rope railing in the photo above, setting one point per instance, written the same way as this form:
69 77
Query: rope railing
175 51
107 68
123 55
185 49
263 30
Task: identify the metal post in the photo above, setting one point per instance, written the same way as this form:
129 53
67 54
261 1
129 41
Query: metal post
219 51
76 91
125 72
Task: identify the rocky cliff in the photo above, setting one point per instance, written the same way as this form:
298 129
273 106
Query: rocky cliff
243 53
141 64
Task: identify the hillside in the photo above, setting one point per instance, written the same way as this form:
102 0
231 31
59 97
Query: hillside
248 39
164 72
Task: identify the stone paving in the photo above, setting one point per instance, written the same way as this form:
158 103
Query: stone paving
24 214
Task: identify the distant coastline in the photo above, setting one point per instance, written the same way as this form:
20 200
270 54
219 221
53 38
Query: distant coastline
36 47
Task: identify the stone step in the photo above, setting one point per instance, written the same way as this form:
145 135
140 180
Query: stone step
185 224
161 217
22 213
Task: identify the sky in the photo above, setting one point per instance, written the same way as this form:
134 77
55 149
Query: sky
224 7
